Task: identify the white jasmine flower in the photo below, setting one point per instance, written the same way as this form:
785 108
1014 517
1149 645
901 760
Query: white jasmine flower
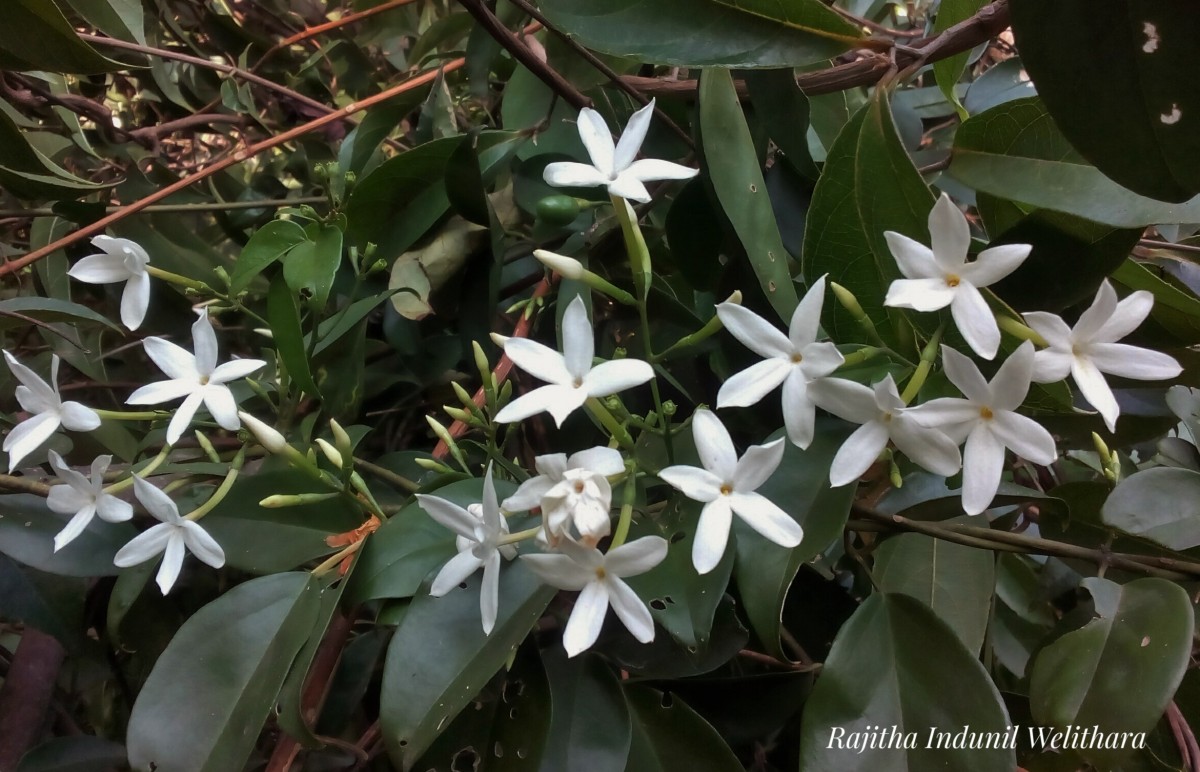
119 260
598 577
794 360
48 411
883 417
987 418
614 166
571 489
480 529
83 498
570 375
175 536
941 276
197 378
1090 349
727 487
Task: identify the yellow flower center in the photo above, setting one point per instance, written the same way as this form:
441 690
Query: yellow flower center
579 486
986 413
726 489
600 572
797 359
952 280
578 383
203 380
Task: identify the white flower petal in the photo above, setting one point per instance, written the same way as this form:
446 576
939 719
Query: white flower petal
454 572
1052 365
619 374
587 618
983 464
857 453
67 500
135 300
848 400
754 332
944 411
601 460
1127 317
929 448
559 570
629 188
220 403
568 174
994 264
806 319
652 169
201 544
204 343
578 346
714 445
1095 390
771 522
630 610
542 362
631 139
112 509
489 505
799 411
76 482
156 501
184 415
100 269
489 593
1011 382
695 483
1127 361
78 418
963 373
529 494
752 384
43 396
1102 309
914 259
559 401
920 294
162 391
596 140
636 557
176 361
28 436
1025 437
74 527
144 546
757 465
975 320
551 465
949 234
712 534
235 369
1051 327
449 514
172 562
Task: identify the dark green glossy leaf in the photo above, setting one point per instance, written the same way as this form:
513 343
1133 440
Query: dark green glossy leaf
1016 151
869 185
268 244
1160 504
893 664
673 736
36 36
1176 310
949 70
119 18
24 170
736 173
284 315
310 266
1119 670
953 580
52 604
724 33
590 728
783 108
360 144
764 570
48 310
27 530
80 753
696 237
229 659
926 496
1133 111
427 681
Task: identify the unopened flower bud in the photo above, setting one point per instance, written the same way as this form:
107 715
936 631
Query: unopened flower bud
567 267
499 339
341 439
735 298
463 396
267 436
280 500
847 299
432 464
330 452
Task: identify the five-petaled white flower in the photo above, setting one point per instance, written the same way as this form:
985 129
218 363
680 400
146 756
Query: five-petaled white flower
198 378
479 529
882 416
1089 349
598 578
614 166
941 276
988 420
119 260
83 498
727 487
794 360
175 536
570 376
48 411
571 489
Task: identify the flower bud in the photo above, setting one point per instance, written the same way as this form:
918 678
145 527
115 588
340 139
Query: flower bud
432 464
341 439
280 500
567 267
735 298
499 339
847 299
330 452
267 436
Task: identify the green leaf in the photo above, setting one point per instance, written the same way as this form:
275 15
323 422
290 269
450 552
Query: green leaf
268 244
79 753
1174 309
590 725
671 736
36 36
439 658
679 600
953 580
1016 151
1119 670
1133 111
1161 504
360 144
310 266
869 185
764 571
220 675
289 710
947 71
284 315
884 669
27 530
121 19
48 310
737 178
24 170
783 108
697 33
52 604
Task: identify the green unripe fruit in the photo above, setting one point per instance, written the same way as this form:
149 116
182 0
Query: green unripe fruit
558 210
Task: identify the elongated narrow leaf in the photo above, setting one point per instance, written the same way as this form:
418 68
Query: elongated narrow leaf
268 244
955 581
25 171
220 675
284 315
737 178
121 19
897 671
1016 151
949 70
1119 670
48 310
310 266
695 33
36 36
1134 111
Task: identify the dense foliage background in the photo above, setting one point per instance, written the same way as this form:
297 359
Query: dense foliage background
354 192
